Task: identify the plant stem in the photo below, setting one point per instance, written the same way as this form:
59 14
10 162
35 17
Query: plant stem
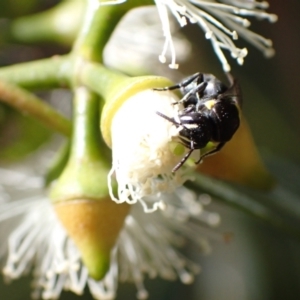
84 176
99 78
42 74
98 25
64 71
86 141
28 103
51 25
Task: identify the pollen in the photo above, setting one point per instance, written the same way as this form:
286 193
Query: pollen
210 104
143 149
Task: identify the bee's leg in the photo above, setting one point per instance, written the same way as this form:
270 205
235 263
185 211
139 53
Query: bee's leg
213 151
184 83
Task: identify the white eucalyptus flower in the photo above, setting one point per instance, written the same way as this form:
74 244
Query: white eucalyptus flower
32 239
144 149
222 21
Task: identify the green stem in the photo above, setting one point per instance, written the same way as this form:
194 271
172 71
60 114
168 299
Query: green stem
52 25
28 103
64 71
42 74
243 202
98 24
108 83
99 78
84 176
86 141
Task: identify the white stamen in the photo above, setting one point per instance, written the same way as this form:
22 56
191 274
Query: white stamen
218 21
110 2
143 156
146 245
163 13
134 43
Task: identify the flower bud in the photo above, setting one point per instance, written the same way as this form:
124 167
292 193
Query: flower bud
80 194
91 219
94 226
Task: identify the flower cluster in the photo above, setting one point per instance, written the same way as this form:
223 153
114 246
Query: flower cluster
35 234
147 245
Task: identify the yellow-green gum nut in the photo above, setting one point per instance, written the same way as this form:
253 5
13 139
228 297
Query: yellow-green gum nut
94 227
86 179
90 217
121 92
80 194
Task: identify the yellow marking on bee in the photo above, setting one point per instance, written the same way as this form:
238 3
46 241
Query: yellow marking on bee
209 104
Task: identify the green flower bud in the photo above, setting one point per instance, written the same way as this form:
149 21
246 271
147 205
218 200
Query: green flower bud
80 194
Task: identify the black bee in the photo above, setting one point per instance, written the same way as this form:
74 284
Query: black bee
210 113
